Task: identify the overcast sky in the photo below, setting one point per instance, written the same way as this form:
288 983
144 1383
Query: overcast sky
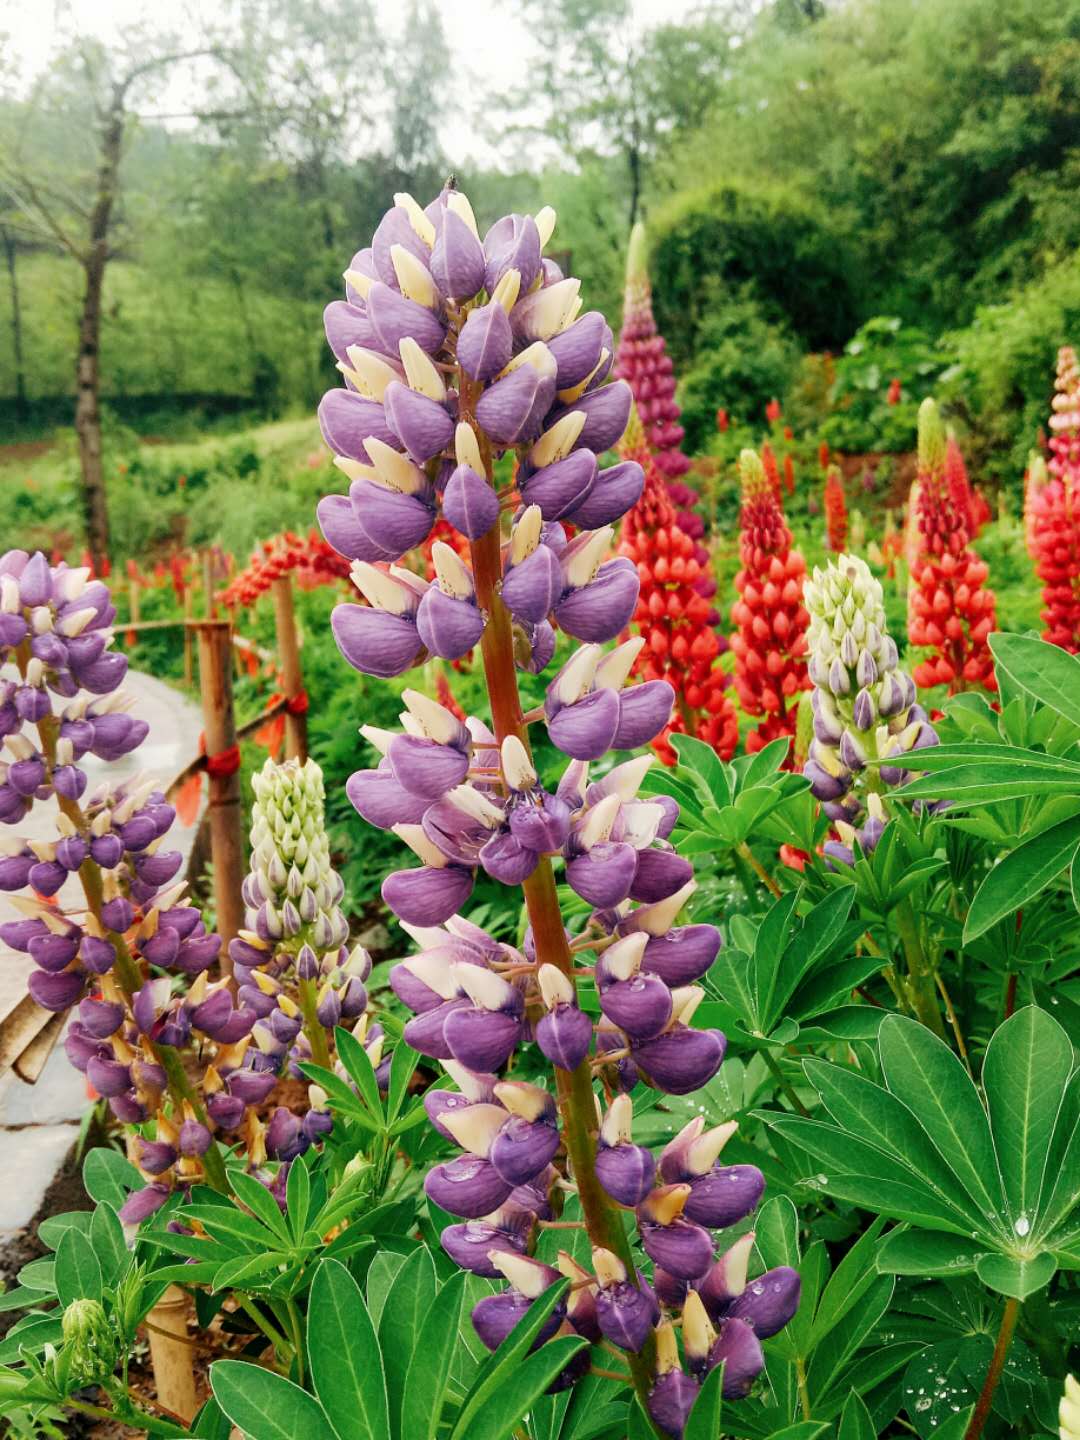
486 37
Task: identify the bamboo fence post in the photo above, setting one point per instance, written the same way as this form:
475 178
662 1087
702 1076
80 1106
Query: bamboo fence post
189 666
208 584
171 1353
288 648
133 605
219 728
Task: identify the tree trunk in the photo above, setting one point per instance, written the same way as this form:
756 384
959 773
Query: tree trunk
10 255
87 365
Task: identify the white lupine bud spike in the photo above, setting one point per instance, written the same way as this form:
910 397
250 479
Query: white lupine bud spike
474 1127
525 536
508 289
417 219
358 281
458 202
538 356
70 584
518 770
579 674
439 723
703 1153
484 988
9 594
698 1334
455 578
354 469
736 1262
371 372
377 738
420 370
555 987
623 959
617 1122
396 471
413 277
685 999
608 1268
596 827
529 1102
379 589
575 392
420 845
475 803
545 223
658 918
557 442
625 780
467 448
615 667
585 561
528 1277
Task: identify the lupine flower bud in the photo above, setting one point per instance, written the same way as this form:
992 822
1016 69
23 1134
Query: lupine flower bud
626 1310
625 1170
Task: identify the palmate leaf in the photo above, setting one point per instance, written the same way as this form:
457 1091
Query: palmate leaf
266 1406
1003 1181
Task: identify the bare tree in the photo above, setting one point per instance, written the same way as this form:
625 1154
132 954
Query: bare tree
80 215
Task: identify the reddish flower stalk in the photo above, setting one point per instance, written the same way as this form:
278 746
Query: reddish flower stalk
1052 511
962 492
950 609
681 646
642 360
836 517
770 639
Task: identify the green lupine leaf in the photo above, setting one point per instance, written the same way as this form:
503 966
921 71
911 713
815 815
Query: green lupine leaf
926 1252
924 1073
409 1303
358 1063
1047 673
108 1177
855 1421
1009 1275
519 1390
77 1271
107 1242
1021 875
260 1202
346 1363
1025 1074
266 1406
704 1421
429 1368
506 1359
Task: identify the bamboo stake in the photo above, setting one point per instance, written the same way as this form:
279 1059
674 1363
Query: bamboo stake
208 584
171 1354
189 668
219 727
288 648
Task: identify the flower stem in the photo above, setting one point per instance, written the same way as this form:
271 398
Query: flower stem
320 1050
920 974
759 870
577 1107
993 1374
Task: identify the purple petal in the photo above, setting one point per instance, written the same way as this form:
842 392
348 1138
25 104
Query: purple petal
375 642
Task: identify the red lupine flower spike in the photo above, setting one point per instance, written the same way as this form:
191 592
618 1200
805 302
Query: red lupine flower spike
681 646
769 642
1052 511
951 611
836 517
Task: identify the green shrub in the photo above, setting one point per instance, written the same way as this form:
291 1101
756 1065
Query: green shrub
762 240
882 350
743 360
1004 378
